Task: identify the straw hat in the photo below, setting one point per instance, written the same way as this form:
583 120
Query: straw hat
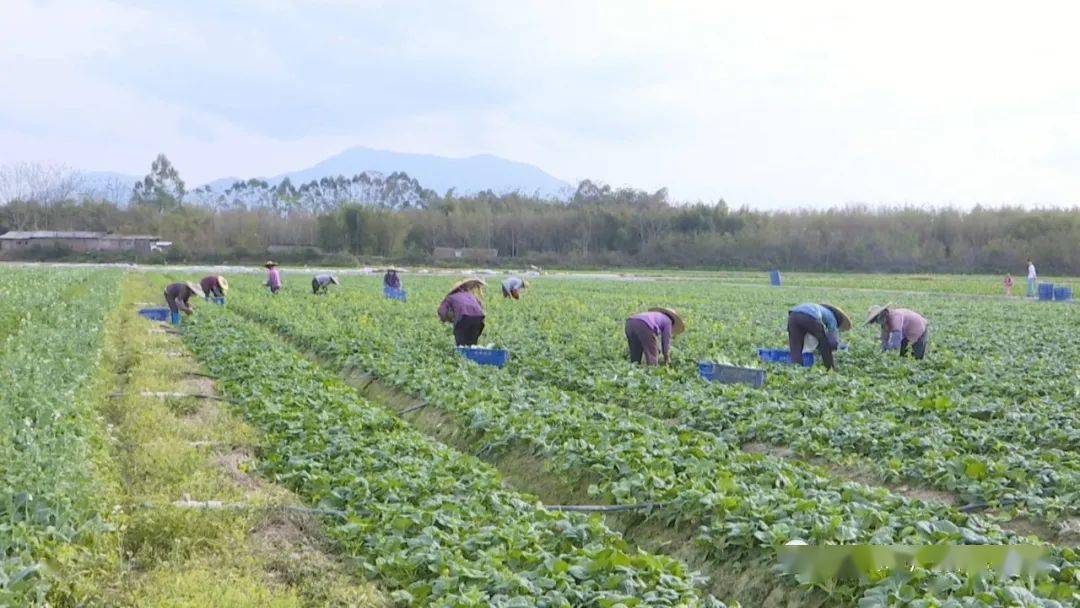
270 263
679 325
468 285
223 282
196 288
875 311
334 280
843 321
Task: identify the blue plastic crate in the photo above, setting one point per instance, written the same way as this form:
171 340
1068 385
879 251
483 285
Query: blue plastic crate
395 294
775 355
155 314
1062 293
486 356
729 374
775 279
1046 291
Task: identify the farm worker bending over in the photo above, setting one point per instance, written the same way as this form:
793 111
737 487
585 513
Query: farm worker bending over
273 276
391 279
650 333
214 286
178 295
512 287
823 322
322 282
900 328
1032 276
462 307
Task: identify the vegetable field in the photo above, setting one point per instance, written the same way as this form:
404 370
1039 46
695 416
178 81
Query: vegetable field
442 481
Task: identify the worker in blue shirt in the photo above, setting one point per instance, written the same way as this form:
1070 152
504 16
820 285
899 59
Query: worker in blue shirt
822 321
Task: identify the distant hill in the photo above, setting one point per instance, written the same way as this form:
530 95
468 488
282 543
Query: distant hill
439 173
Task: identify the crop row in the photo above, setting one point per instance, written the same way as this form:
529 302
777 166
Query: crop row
52 495
432 523
746 505
25 291
970 419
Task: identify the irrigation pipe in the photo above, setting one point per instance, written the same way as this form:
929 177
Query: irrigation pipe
169 395
412 409
605 508
219 505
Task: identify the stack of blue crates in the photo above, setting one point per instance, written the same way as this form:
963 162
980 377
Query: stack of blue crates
1046 292
395 294
773 355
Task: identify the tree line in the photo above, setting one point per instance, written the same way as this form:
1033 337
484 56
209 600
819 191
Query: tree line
598 226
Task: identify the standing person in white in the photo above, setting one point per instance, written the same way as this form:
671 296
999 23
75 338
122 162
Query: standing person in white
1031 279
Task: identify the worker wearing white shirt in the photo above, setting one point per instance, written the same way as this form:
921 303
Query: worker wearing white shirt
1031 279
512 287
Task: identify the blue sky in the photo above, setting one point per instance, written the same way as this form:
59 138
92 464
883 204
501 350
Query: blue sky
772 104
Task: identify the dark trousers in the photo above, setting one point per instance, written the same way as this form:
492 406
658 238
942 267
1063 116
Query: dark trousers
918 349
467 330
799 325
642 342
316 288
176 304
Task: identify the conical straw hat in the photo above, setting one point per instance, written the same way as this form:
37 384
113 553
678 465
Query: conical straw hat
843 321
875 311
679 326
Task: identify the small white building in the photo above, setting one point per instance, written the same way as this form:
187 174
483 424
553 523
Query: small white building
17 240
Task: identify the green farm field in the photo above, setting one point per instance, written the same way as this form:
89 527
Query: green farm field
345 428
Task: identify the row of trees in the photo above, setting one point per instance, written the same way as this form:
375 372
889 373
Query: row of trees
164 189
599 225
394 191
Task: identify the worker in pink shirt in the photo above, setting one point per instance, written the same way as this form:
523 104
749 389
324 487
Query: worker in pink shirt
273 276
901 328
649 334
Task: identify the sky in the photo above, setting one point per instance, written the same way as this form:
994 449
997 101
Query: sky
767 104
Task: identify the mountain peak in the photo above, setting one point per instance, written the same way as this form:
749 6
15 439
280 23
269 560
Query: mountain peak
439 173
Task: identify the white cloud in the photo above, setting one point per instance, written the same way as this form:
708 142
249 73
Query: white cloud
772 104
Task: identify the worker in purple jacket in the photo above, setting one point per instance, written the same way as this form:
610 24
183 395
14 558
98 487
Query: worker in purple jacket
391 279
462 307
901 328
214 286
649 334
178 296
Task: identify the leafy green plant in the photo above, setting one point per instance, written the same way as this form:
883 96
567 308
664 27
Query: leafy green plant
435 524
568 394
54 516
